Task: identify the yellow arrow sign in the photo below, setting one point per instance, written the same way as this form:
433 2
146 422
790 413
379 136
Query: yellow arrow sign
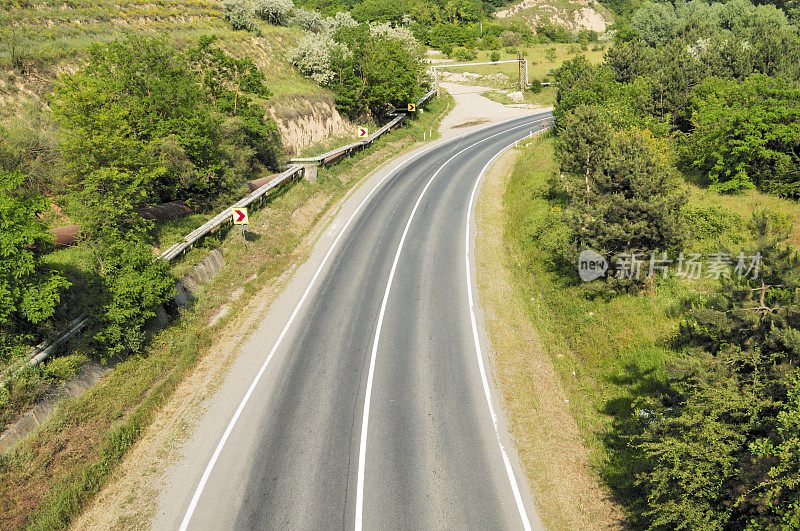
412 107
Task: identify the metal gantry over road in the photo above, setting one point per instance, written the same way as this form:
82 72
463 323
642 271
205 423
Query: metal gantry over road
364 399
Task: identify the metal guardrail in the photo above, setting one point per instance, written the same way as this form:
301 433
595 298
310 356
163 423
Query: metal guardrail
43 351
337 153
224 216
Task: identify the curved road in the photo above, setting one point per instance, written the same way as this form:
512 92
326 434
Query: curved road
372 407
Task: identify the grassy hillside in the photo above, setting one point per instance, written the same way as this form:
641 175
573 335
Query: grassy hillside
611 354
40 39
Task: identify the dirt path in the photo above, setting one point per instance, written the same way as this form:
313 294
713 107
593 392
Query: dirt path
473 110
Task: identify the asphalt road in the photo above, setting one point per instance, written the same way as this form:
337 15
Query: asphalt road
386 320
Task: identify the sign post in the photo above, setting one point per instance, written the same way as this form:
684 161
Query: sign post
241 218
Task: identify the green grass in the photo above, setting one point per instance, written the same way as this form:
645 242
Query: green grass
541 62
608 352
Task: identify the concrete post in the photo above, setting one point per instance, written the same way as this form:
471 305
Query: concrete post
310 172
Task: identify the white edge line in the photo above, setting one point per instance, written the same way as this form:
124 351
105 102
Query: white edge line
218 450
487 391
362 453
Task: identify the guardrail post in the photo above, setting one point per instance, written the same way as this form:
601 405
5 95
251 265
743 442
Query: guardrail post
310 172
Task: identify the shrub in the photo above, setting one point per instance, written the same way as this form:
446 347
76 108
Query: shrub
494 56
464 54
510 38
342 19
399 33
308 20
313 57
135 283
274 11
747 134
29 291
240 14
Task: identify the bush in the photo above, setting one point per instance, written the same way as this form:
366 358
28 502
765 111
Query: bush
240 14
135 283
342 19
274 11
308 20
746 134
29 291
464 54
494 56
510 38
145 110
313 57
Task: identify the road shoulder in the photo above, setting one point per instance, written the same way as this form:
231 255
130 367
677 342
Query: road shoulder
552 454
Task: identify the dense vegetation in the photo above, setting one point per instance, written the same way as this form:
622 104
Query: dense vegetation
709 92
371 68
140 123
455 26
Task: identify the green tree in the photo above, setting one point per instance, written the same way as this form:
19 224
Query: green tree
655 22
580 83
129 96
747 134
373 75
29 291
622 199
629 60
725 455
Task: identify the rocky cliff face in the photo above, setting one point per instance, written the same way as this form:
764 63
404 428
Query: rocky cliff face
307 120
574 15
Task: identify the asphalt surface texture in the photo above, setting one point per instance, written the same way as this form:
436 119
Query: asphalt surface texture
378 324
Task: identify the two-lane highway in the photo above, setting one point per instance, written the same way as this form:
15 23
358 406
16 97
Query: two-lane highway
372 407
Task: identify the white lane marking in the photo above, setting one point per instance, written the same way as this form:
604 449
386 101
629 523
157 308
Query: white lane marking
362 453
218 450
486 390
